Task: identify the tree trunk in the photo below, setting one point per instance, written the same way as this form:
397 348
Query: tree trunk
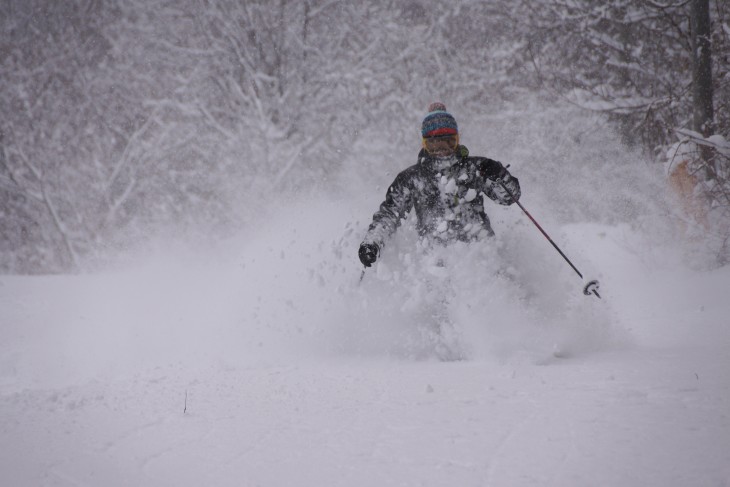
703 119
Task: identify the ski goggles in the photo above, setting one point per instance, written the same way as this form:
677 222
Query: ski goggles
441 144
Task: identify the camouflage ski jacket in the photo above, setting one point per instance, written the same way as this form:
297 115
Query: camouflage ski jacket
447 196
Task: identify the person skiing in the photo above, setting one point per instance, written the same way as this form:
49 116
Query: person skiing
446 188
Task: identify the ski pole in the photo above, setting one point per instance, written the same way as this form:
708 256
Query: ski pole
592 286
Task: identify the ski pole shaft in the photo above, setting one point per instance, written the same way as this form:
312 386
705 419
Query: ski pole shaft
590 287
547 236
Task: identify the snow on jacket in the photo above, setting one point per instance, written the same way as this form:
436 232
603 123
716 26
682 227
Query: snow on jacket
447 196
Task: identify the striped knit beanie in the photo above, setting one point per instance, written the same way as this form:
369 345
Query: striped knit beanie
438 122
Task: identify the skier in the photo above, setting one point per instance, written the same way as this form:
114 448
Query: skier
446 188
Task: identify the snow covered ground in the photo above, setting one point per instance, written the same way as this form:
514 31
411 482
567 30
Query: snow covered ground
272 366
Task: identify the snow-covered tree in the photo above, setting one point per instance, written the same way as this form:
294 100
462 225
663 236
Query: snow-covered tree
656 69
122 120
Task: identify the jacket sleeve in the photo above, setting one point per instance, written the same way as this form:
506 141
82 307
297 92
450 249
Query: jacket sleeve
398 202
493 171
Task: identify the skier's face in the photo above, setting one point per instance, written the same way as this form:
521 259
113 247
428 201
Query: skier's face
442 146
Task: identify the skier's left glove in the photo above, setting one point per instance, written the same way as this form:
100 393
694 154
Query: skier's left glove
492 170
368 253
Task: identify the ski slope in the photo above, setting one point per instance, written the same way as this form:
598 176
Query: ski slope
271 365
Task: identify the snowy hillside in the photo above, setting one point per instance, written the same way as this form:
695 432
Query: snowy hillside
274 367
267 362
184 187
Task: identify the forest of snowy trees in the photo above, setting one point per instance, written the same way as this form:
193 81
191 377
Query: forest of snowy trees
122 120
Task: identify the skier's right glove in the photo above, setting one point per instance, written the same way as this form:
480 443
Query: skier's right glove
368 253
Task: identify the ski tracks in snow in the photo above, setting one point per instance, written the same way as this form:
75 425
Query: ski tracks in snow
546 436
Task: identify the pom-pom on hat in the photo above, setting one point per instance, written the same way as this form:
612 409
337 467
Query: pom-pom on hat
438 122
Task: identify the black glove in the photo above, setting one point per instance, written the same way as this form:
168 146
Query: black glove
492 169
368 253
